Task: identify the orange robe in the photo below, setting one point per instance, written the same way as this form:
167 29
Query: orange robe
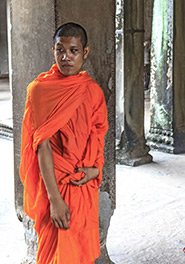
71 112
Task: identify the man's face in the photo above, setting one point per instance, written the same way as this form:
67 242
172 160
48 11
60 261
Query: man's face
69 55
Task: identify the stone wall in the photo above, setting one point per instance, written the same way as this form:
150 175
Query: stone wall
148 15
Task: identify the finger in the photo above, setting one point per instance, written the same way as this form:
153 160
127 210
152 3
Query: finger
52 221
68 216
84 169
55 223
65 224
61 224
75 182
58 224
83 181
80 182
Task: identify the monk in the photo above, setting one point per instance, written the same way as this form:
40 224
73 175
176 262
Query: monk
63 131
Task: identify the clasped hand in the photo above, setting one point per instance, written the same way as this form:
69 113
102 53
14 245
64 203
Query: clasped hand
59 211
90 174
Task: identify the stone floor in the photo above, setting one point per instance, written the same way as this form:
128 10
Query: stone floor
5 103
12 246
148 225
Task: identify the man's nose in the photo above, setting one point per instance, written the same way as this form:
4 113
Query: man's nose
65 56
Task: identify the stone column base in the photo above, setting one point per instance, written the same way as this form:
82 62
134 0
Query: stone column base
161 140
30 239
123 158
104 257
166 140
105 213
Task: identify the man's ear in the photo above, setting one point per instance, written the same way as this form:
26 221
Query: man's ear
53 51
86 52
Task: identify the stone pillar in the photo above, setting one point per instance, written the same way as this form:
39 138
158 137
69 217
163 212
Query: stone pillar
133 150
179 76
119 70
167 131
33 25
32 32
98 18
148 14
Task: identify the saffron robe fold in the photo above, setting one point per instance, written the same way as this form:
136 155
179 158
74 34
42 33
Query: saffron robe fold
71 112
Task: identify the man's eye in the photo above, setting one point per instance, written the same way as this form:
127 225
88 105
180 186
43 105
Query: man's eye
74 50
60 50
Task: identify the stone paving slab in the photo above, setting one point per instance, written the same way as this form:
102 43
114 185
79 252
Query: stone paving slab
6 112
148 224
12 245
4 84
5 103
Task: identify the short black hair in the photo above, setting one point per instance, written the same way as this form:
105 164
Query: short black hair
71 30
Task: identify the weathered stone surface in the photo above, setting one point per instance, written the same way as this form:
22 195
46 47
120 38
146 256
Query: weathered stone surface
161 76
30 56
178 76
148 15
30 239
98 18
32 23
106 211
132 144
104 258
119 71
100 27
167 132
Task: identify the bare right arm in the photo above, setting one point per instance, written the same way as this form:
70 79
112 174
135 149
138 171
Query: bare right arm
59 211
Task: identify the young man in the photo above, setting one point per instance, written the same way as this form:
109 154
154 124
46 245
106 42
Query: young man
63 131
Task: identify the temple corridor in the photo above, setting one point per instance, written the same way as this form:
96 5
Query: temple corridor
137 57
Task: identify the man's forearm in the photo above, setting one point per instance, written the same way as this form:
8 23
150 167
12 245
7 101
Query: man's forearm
59 211
45 158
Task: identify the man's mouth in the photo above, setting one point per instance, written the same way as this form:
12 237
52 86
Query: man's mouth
66 65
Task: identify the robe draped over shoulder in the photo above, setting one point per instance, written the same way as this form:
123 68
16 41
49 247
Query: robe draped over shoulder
71 112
